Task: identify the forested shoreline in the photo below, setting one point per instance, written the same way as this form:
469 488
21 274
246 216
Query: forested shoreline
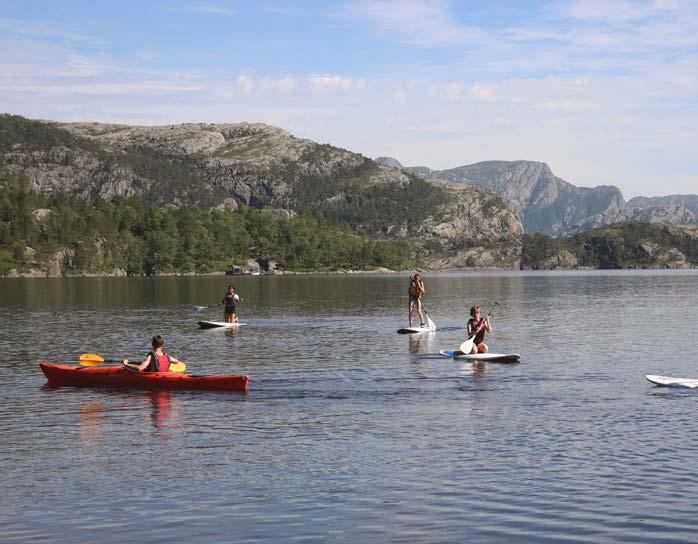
127 236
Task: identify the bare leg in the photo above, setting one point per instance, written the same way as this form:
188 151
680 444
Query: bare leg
409 313
421 312
483 348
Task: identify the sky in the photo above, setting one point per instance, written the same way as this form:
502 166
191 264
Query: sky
603 91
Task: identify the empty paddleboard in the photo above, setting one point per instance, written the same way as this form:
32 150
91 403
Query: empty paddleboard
666 381
218 325
489 357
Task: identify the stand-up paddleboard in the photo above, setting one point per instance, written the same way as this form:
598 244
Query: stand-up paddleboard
666 381
490 357
415 330
218 325
430 327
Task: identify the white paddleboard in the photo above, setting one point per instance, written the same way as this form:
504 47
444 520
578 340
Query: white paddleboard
415 330
672 382
218 325
490 357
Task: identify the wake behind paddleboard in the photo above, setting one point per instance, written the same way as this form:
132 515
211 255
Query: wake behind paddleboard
667 381
218 325
414 330
489 357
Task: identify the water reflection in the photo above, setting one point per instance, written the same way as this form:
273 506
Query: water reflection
416 344
91 424
163 410
421 343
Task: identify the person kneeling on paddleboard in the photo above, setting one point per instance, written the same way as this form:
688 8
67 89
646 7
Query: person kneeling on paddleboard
230 299
478 325
156 361
415 291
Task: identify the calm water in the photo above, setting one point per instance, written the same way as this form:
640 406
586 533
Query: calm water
350 432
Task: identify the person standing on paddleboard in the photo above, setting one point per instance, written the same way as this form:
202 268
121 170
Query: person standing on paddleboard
478 325
156 361
415 292
230 299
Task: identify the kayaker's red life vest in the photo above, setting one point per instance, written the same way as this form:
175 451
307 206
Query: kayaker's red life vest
158 363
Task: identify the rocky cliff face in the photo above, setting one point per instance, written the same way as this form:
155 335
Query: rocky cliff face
228 165
388 161
546 203
552 206
688 202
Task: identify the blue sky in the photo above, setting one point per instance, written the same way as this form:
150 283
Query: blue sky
604 92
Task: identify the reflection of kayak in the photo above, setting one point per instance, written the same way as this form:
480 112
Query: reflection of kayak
672 382
120 377
218 324
491 357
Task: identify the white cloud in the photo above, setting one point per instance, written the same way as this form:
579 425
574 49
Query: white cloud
244 83
284 84
483 92
330 82
454 90
400 97
418 22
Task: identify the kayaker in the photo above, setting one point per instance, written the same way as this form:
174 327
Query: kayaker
415 292
230 299
156 361
478 325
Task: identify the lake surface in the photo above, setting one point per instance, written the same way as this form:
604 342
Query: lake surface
350 432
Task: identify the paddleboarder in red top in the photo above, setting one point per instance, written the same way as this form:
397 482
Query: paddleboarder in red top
156 361
478 325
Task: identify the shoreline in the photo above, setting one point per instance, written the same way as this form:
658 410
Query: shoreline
38 274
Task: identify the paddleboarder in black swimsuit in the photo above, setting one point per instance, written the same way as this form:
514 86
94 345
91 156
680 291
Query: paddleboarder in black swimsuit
230 299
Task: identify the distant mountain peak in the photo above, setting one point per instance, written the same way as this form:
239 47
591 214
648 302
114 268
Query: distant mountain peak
388 161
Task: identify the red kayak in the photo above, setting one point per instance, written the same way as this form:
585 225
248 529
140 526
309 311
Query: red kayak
119 376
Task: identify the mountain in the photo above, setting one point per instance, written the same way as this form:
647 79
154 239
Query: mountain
549 205
690 202
228 166
388 161
546 203
634 244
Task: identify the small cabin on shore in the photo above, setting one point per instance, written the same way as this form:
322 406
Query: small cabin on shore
251 268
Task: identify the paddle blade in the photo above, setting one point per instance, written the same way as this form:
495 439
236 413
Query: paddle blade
197 309
177 367
467 346
90 359
432 325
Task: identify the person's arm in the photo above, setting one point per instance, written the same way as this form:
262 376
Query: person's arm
239 298
137 367
488 325
470 329
421 288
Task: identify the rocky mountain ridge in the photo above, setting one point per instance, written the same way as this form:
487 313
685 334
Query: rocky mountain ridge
229 165
550 205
